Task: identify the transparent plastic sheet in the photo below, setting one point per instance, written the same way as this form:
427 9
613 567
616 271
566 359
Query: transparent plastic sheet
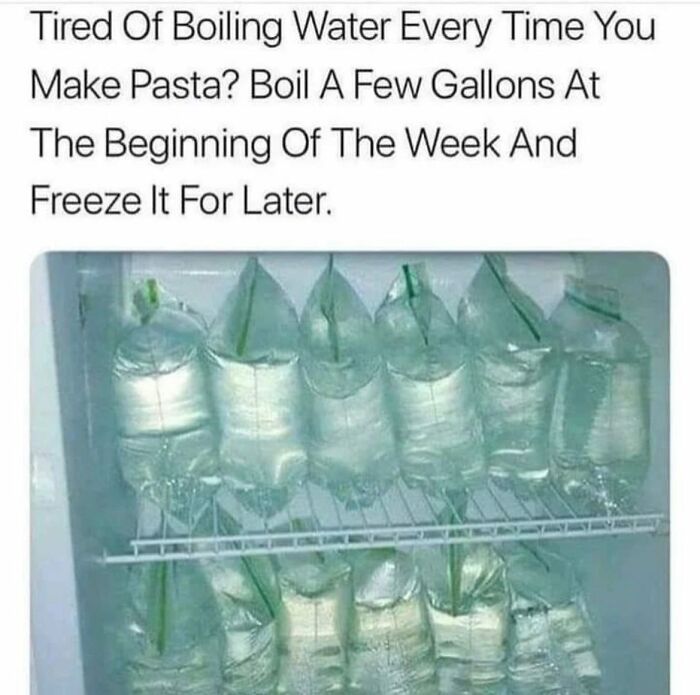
352 443
468 608
316 605
516 361
248 601
600 424
253 349
551 646
167 434
391 646
170 638
430 385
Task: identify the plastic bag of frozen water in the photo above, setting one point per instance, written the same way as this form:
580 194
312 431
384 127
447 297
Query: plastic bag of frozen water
248 599
468 608
316 601
600 424
171 638
253 348
167 436
438 431
352 446
516 360
550 645
391 647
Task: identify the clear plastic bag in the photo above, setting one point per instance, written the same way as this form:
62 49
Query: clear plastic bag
468 609
600 425
170 634
551 645
253 348
516 360
430 384
316 604
391 646
168 442
352 444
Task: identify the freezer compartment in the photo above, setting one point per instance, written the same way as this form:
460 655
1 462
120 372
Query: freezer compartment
88 296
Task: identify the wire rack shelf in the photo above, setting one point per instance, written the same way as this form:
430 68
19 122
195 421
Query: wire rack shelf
403 517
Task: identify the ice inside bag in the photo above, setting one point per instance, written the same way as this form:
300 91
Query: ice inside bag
167 436
170 636
253 350
468 608
599 438
430 385
550 643
516 361
391 645
352 447
316 605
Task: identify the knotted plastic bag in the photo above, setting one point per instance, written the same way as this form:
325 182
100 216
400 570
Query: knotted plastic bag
468 609
430 385
253 348
316 604
550 647
600 423
171 639
352 444
391 647
516 360
248 601
168 441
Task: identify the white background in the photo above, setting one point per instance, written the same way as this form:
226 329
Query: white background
634 187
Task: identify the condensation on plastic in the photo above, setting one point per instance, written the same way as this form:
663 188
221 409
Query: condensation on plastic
430 385
253 349
352 447
316 605
516 356
599 437
391 646
550 641
170 637
468 609
167 435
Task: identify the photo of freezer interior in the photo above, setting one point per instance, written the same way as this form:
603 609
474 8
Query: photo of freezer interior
350 473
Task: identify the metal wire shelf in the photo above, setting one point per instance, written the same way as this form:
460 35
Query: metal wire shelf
402 517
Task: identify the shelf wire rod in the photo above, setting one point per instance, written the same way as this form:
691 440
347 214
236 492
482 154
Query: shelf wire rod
163 531
190 522
495 495
312 509
295 539
140 504
215 522
405 503
266 528
477 506
543 504
385 511
450 505
336 510
562 498
365 522
525 508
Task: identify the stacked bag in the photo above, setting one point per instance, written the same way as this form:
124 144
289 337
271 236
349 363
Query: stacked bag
261 401
469 619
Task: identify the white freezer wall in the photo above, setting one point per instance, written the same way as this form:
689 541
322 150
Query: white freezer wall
56 661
